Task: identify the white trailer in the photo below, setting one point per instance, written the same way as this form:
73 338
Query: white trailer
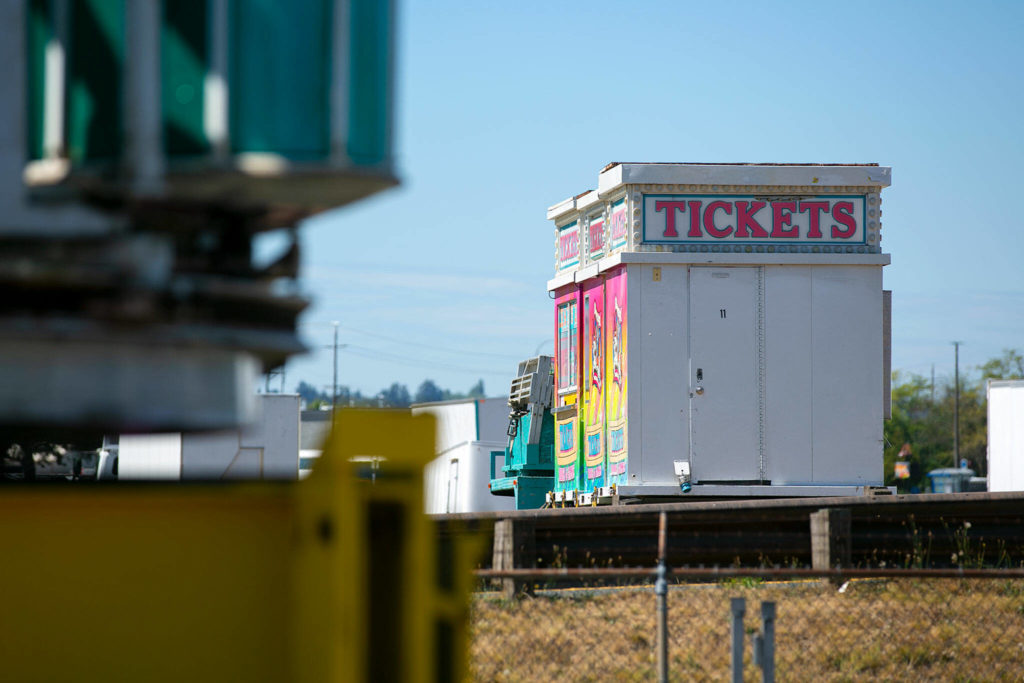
458 478
268 448
1005 434
149 456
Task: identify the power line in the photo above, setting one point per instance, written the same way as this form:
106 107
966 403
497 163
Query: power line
444 349
429 346
414 363
375 354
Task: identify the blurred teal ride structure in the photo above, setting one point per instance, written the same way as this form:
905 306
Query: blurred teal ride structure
148 148
529 468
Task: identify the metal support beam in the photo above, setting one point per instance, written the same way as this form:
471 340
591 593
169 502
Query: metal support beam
144 149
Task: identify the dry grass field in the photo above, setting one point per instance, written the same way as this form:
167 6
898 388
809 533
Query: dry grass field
892 629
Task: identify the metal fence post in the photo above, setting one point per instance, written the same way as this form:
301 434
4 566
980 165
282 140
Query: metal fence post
514 548
768 642
661 590
831 539
739 608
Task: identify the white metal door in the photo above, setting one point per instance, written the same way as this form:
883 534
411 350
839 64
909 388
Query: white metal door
725 428
453 486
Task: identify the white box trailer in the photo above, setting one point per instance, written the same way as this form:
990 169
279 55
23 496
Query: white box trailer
149 456
458 479
1005 434
466 419
268 448
722 321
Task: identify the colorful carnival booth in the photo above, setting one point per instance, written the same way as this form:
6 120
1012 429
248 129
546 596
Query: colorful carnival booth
721 330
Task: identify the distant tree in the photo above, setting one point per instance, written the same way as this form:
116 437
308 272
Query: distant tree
1008 366
396 396
927 426
429 392
922 416
477 390
309 393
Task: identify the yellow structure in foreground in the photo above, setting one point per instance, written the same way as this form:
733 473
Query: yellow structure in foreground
335 578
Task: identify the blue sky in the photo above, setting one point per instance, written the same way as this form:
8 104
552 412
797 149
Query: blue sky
504 109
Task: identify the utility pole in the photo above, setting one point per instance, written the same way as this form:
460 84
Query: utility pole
270 375
956 403
334 385
933 386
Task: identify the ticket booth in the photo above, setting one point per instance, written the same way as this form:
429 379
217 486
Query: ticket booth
721 330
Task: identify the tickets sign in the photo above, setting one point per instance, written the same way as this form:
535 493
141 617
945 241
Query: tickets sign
618 224
569 245
748 219
595 233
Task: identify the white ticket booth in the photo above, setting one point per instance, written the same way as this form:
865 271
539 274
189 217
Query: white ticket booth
722 331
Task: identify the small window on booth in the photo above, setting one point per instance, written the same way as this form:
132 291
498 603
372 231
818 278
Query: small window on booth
567 348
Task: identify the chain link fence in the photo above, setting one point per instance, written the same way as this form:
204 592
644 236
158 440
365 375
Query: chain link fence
867 625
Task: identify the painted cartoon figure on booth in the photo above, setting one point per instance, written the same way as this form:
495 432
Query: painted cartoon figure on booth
595 350
617 347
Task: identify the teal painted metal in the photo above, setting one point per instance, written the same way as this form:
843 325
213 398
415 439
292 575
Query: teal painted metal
527 457
370 82
530 491
184 66
95 81
280 78
476 418
307 81
38 32
523 458
529 469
